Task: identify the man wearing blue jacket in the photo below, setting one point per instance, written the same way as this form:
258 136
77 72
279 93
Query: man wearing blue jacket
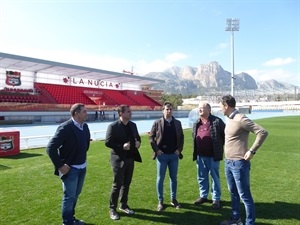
67 150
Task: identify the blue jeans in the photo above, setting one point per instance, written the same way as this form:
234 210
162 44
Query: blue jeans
72 186
163 162
238 180
206 166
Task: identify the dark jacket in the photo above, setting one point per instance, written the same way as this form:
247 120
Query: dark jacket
156 135
116 138
217 134
64 144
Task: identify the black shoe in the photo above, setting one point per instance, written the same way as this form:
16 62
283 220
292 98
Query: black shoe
176 204
78 222
113 214
200 201
160 206
216 204
232 222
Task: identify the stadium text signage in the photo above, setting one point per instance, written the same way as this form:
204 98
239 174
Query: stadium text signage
91 83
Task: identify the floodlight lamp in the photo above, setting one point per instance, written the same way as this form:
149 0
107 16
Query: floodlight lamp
228 24
232 24
235 24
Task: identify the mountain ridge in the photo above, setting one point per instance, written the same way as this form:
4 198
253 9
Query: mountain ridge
212 77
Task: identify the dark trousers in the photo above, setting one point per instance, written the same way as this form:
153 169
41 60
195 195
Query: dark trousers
121 183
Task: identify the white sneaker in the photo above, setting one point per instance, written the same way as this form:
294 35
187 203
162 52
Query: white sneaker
113 214
127 210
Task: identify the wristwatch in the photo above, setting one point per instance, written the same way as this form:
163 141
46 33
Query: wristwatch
252 152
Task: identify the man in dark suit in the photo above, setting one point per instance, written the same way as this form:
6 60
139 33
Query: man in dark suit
166 139
67 150
123 139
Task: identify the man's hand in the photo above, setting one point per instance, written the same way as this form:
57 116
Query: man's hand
64 169
137 143
126 146
159 152
248 156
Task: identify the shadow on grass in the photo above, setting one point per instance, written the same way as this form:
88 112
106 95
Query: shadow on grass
268 211
204 214
187 214
278 210
22 155
2 167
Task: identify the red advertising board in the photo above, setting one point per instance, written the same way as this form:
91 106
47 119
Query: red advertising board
9 143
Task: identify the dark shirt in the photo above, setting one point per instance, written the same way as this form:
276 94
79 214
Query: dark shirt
168 145
129 153
80 157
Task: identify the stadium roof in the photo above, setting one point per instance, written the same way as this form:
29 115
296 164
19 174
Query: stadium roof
22 63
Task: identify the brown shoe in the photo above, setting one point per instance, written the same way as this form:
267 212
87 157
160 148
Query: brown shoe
160 206
216 204
200 201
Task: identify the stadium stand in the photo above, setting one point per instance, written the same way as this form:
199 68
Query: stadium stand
91 96
30 84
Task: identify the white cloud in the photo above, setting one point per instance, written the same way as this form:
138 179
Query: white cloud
218 49
174 57
76 58
158 65
279 61
223 45
104 62
277 74
142 66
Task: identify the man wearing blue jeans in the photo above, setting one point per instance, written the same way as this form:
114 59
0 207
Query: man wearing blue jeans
67 150
166 139
238 156
208 139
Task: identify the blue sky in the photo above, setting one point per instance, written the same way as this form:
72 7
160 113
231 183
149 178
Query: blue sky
153 35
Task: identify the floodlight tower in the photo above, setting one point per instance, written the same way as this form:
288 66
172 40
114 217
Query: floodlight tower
232 24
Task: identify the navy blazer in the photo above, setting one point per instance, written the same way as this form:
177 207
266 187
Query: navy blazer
116 138
64 144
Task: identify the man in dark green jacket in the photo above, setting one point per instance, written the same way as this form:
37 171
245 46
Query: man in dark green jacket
208 139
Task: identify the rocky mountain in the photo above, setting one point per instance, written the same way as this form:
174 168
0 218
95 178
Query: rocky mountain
273 85
208 78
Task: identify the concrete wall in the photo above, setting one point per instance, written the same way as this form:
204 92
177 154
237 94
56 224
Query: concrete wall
58 117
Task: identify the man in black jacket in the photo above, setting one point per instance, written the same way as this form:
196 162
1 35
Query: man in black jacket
67 150
208 139
123 139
